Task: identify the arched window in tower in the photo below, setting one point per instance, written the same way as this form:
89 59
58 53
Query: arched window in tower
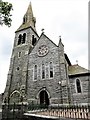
78 86
43 71
35 72
19 39
24 38
51 70
23 19
33 40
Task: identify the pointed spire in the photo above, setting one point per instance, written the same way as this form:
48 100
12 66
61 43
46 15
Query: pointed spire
60 44
29 13
59 40
28 19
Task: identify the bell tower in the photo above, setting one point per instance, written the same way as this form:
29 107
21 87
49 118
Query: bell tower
25 39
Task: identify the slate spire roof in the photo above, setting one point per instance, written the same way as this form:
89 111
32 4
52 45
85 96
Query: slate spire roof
28 20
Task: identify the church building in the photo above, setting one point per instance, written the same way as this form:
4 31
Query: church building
40 72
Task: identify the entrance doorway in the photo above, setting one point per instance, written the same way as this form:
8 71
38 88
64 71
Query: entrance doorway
44 100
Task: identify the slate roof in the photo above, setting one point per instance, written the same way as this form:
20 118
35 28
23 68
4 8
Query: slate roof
76 69
24 26
29 19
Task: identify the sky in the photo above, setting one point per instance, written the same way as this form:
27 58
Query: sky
65 18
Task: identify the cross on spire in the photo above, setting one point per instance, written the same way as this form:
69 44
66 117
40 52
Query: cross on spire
42 30
60 38
77 62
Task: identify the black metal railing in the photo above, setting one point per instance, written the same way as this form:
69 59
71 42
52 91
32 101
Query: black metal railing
16 111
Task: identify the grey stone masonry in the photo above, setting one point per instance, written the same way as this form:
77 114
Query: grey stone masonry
40 72
79 98
51 85
17 74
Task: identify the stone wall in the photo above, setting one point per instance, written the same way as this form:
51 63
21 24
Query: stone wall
50 85
79 98
18 65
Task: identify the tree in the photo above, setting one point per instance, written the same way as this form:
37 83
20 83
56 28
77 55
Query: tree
5 13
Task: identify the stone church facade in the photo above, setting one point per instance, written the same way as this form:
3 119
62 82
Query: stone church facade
40 72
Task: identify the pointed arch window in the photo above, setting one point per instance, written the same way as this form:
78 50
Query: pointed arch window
43 71
78 86
23 19
24 38
35 72
51 70
19 39
19 54
33 40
